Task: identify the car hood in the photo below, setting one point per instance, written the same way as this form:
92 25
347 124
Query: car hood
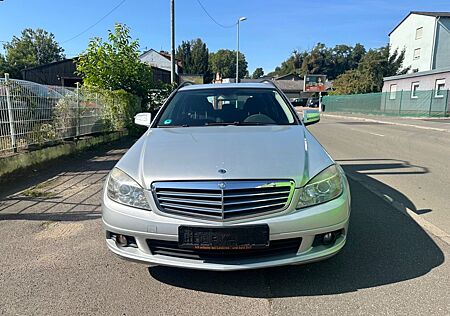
245 152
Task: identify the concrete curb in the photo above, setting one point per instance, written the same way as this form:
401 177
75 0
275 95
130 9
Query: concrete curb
11 164
423 223
386 122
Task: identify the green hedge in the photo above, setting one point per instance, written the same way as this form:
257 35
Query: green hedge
119 107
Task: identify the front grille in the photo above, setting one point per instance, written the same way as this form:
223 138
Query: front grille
277 248
223 200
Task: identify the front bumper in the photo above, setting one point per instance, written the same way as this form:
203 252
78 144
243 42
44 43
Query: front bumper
305 224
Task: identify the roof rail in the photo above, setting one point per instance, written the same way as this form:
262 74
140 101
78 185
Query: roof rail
269 82
184 84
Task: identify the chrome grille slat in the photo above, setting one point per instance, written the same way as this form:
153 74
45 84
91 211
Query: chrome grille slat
233 199
189 201
195 208
252 208
256 194
203 195
254 201
190 213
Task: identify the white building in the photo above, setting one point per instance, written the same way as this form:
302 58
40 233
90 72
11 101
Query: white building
159 60
425 37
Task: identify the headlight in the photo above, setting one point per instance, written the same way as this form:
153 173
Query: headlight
123 189
324 187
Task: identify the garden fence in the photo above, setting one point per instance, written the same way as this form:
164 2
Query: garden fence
428 103
32 114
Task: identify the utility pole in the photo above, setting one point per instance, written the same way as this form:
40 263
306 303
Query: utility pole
237 52
237 55
172 40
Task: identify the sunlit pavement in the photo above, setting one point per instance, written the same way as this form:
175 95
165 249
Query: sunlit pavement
406 164
55 262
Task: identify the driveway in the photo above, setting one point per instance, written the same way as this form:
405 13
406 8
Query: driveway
55 262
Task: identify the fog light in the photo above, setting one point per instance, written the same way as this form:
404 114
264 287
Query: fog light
328 238
121 240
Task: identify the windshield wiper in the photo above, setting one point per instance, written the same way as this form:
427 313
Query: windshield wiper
254 123
221 123
236 123
172 126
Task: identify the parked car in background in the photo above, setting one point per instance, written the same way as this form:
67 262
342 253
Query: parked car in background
227 177
299 101
312 102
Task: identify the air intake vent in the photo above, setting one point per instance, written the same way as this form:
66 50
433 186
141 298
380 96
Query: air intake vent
277 248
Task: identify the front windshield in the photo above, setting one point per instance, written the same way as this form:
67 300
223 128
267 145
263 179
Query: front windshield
230 106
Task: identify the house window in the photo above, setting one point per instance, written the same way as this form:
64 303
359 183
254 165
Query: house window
393 92
414 88
439 88
417 53
419 32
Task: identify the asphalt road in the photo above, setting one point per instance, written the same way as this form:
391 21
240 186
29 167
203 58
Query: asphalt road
407 164
54 260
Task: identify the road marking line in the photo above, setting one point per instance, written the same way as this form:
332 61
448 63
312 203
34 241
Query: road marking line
376 134
357 130
387 123
423 223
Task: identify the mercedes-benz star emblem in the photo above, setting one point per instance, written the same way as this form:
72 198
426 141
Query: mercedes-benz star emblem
222 185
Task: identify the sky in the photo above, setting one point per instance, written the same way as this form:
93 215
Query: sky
273 29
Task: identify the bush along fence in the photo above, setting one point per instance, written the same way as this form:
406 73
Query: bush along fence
32 115
427 103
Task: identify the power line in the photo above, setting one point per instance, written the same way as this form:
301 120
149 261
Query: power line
93 25
214 20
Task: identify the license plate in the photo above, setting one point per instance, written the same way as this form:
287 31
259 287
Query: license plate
224 238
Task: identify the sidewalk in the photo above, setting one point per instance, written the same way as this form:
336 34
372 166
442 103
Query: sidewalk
437 124
441 124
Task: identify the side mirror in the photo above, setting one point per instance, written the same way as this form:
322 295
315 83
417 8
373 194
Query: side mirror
311 117
143 119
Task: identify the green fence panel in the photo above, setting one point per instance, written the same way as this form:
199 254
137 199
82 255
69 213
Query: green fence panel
362 103
426 103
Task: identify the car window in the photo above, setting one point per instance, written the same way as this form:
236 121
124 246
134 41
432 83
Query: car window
224 106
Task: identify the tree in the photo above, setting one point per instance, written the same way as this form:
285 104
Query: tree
356 54
373 67
331 62
258 73
115 64
194 56
224 62
352 82
291 65
200 57
32 48
184 54
3 66
318 61
382 63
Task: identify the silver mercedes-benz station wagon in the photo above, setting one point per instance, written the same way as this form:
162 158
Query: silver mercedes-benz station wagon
226 177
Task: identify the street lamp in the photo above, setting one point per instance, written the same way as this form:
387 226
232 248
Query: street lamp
237 53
